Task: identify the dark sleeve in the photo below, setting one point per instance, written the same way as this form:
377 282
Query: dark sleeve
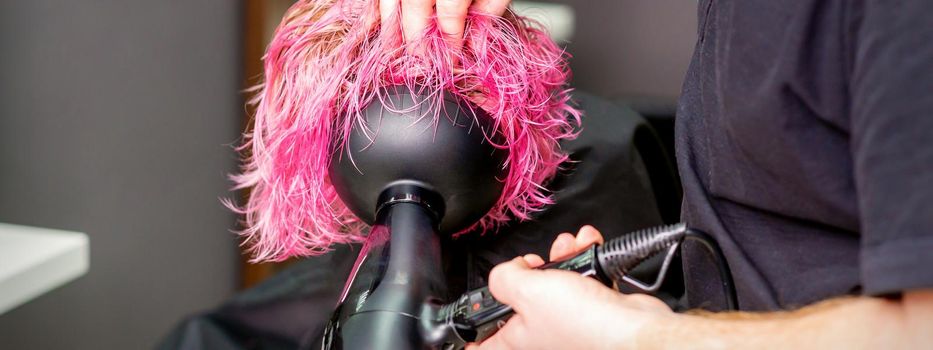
892 143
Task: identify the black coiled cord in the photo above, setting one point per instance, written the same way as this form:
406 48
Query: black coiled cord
619 256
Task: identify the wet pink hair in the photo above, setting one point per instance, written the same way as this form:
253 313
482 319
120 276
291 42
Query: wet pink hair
328 60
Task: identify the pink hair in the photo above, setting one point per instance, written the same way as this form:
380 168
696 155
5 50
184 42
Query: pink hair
328 60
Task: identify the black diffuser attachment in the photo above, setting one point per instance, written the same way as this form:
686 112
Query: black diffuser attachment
404 146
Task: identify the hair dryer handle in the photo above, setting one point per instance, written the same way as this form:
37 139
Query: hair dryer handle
477 315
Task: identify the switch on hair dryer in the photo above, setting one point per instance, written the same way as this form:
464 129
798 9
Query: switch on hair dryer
476 315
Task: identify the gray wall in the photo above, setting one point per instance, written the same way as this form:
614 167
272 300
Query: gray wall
632 49
114 120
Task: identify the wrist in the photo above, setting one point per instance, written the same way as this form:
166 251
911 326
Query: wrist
659 330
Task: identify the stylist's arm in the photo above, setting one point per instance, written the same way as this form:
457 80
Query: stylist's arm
562 310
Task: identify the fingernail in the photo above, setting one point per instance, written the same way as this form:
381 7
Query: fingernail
561 243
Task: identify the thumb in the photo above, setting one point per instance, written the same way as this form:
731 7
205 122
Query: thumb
509 282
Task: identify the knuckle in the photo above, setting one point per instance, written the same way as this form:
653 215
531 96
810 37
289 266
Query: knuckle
453 9
417 3
452 4
496 276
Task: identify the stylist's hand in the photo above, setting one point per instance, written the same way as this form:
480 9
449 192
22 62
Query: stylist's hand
451 15
562 310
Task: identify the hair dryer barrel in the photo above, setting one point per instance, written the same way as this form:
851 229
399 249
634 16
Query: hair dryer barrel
388 316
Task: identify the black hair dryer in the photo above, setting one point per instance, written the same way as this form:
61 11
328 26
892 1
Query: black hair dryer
411 179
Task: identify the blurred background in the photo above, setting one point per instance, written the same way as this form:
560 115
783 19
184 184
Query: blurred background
117 120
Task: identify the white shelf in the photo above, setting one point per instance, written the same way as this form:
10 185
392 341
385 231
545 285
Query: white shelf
34 261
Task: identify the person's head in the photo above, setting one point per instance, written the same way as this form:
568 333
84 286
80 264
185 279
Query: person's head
329 59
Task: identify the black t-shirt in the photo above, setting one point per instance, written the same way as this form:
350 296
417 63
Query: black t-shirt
805 143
